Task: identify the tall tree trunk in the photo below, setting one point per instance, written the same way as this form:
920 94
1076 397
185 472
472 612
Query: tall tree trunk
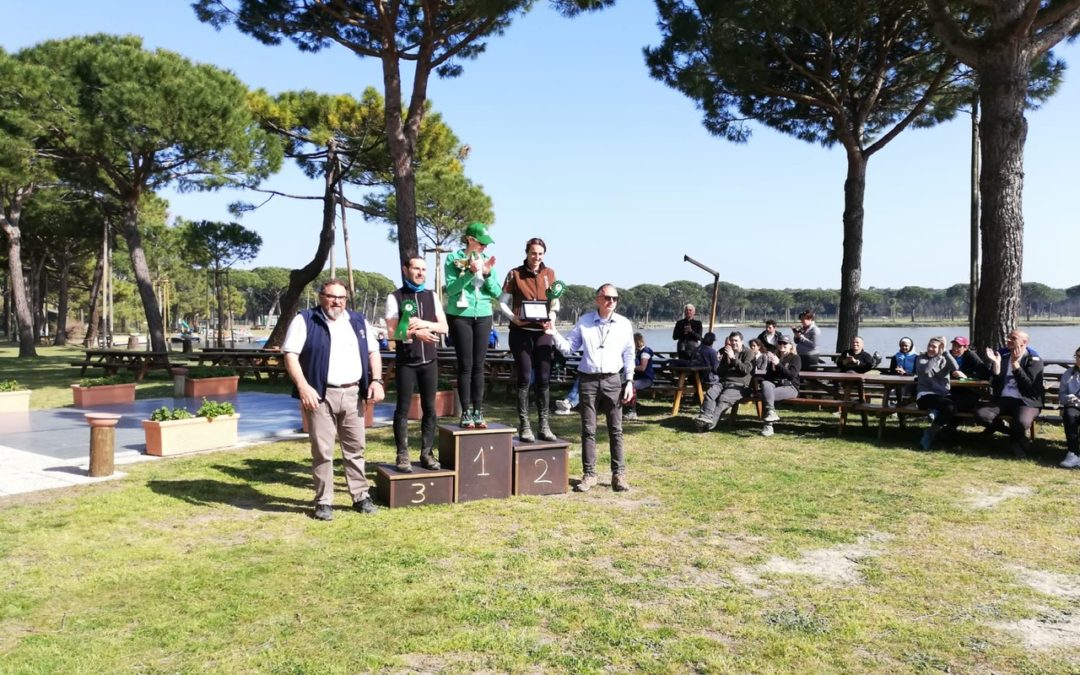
95 306
62 298
39 285
1003 83
130 230
847 326
23 315
300 278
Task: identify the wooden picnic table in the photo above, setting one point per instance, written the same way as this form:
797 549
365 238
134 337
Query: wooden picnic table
848 390
681 372
270 362
113 361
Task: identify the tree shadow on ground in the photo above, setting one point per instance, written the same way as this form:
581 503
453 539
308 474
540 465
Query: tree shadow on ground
205 492
283 472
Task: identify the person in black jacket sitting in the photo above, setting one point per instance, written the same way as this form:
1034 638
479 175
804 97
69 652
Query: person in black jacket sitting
781 380
855 360
1016 378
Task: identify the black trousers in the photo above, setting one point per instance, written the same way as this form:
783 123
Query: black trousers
944 405
533 352
426 379
470 335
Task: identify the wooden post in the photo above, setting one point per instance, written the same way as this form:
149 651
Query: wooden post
102 440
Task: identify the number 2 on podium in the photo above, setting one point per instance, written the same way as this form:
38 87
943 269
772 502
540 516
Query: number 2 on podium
540 479
480 458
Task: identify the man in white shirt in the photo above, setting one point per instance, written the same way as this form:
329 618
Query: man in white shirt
606 340
333 359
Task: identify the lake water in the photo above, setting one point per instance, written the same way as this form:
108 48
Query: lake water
1052 342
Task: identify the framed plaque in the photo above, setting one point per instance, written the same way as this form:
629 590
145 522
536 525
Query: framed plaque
534 310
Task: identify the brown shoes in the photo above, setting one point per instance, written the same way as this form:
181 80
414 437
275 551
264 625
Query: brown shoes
586 483
619 483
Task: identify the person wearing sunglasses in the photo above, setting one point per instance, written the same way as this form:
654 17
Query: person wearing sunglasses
332 357
606 372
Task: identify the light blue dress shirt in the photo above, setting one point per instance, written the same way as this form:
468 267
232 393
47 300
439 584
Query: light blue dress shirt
606 346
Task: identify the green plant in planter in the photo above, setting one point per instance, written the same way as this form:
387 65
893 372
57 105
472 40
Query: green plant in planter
202 372
166 414
11 385
211 409
122 377
445 384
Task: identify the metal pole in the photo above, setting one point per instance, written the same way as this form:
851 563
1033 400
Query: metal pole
715 290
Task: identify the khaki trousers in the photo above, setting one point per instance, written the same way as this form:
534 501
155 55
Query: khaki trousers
340 415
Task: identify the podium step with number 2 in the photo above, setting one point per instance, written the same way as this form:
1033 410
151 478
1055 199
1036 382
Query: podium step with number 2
541 467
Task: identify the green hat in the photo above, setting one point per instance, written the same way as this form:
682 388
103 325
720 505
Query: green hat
479 232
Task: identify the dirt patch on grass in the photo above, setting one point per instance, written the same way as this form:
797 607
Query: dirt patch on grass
834 566
1051 631
982 499
1050 583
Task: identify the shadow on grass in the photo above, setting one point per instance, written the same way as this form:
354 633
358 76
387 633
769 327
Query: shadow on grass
204 492
282 472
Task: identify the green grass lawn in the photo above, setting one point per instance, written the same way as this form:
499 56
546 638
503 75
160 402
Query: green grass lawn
733 553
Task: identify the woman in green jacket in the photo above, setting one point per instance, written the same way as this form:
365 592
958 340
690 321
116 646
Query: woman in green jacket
471 285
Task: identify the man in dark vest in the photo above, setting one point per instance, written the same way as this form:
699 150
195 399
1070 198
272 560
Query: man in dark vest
333 359
416 359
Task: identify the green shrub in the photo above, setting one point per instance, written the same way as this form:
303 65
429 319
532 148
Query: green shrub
211 409
122 377
200 372
165 414
10 385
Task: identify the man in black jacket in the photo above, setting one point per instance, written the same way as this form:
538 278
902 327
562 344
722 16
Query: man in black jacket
687 334
735 370
1017 383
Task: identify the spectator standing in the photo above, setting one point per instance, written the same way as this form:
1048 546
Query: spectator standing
333 360
687 333
806 336
607 351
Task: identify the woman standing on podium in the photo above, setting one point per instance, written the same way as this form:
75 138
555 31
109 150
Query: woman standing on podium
525 302
470 288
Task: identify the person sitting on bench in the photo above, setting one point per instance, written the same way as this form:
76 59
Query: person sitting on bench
781 380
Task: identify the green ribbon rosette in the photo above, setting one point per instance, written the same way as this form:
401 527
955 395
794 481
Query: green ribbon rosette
555 291
405 312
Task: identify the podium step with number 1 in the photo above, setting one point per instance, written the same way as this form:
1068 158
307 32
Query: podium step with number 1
482 458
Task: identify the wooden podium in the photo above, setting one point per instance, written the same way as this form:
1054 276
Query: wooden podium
541 467
482 459
418 488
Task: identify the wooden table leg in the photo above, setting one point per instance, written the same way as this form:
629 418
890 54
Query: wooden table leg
700 394
678 394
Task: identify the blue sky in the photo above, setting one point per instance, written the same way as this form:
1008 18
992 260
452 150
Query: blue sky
576 144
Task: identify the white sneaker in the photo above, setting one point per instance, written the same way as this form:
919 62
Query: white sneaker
772 416
562 404
1071 461
630 415
767 430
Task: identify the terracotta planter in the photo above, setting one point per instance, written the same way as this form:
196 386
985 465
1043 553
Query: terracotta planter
369 418
14 401
106 394
210 386
176 437
444 404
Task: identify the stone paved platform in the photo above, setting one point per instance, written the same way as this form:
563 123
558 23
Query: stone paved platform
47 449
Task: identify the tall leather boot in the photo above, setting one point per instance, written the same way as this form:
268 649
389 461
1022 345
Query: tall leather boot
525 432
543 402
428 461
